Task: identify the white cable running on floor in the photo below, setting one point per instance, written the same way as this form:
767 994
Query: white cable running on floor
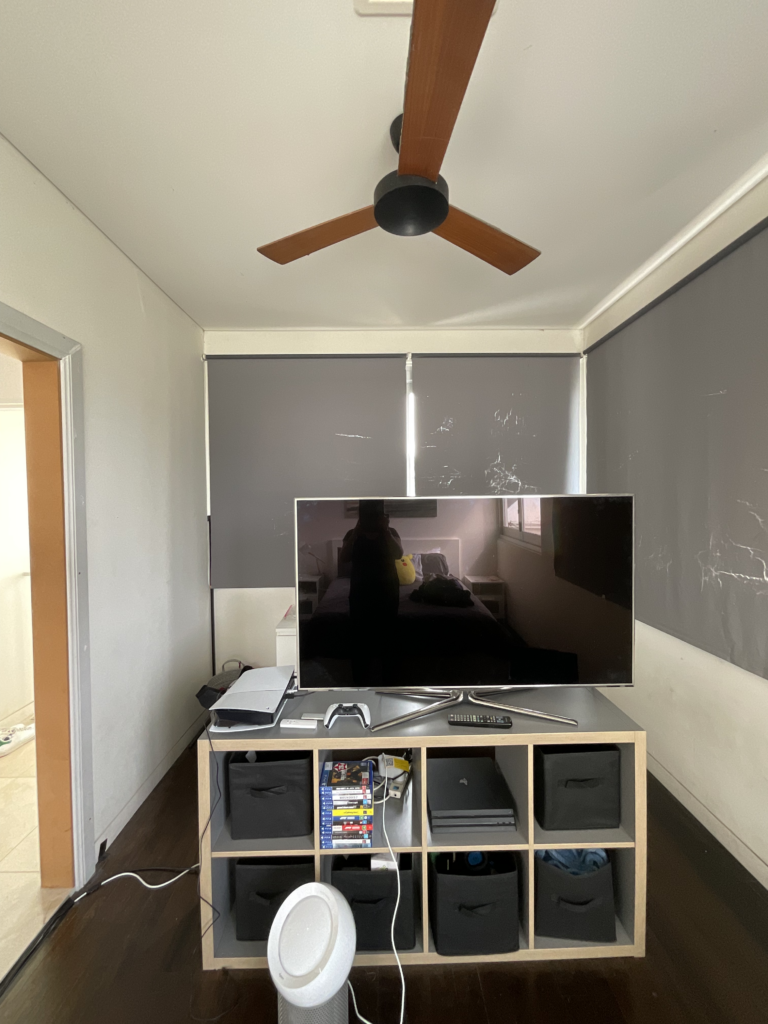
132 874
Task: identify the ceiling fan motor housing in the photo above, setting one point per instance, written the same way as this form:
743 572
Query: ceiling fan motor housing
407 204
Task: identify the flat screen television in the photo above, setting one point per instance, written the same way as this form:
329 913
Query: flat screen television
465 592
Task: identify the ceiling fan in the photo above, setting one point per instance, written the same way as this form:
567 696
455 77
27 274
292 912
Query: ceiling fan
446 36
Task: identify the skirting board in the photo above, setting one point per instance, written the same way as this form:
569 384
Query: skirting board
118 823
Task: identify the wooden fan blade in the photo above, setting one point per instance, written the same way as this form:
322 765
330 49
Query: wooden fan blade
486 242
445 39
293 247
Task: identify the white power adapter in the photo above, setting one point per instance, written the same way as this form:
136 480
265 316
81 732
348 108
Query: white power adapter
397 771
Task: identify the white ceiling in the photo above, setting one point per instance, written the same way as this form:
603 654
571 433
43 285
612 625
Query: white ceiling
192 131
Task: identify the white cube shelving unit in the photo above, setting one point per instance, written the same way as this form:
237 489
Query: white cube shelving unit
408 827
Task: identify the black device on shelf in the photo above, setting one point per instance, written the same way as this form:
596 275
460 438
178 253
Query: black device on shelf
468 794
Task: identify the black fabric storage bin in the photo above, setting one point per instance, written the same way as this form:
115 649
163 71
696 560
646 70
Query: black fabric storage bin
372 895
577 787
261 885
271 798
474 913
575 906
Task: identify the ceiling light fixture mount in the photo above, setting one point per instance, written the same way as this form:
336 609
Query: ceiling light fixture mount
407 204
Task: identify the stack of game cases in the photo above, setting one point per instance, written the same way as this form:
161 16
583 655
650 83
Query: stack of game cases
346 804
468 794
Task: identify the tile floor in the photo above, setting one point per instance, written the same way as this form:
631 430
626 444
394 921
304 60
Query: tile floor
24 906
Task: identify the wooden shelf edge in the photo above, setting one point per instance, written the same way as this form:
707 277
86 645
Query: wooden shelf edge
373 849
442 848
480 738
414 959
235 854
617 844
468 848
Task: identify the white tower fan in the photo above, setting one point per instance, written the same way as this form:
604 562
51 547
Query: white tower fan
310 952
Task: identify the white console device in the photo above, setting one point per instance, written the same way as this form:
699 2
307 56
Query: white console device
254 701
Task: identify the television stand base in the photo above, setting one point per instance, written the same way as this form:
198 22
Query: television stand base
450 699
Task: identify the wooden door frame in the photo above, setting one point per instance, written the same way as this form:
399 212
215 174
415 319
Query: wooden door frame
18 335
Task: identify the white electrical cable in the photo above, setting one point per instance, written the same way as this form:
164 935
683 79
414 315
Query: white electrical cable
397 906
354 1003
132 874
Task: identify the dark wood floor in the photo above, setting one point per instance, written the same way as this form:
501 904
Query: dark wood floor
130 955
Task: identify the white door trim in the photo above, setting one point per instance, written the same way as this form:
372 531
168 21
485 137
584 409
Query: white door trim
30 332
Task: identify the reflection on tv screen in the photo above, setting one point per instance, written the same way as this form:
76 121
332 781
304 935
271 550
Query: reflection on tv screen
465 592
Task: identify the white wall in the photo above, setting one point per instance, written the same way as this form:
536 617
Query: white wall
145 480
706 722
16 681
246 620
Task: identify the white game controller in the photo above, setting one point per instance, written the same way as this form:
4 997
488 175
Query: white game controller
356 710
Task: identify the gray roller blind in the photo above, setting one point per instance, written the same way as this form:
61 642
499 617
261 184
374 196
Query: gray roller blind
496 424
677 414
281 429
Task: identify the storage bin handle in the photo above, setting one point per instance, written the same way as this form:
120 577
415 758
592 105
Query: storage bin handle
269 791
479 910
265 901
580 783
576 907
372 902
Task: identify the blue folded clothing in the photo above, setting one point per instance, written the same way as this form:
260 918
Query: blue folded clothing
575 862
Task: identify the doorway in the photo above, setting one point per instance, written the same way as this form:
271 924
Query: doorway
40 834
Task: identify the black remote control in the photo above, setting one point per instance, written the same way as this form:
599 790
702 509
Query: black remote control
482 721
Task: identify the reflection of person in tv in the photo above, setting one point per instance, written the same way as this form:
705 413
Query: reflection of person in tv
372 548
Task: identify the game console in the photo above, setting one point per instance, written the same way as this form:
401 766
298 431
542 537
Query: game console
254 701
356 710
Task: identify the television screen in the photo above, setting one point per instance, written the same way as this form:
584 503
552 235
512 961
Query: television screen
465 592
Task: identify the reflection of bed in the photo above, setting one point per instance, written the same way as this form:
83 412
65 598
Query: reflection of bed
432 644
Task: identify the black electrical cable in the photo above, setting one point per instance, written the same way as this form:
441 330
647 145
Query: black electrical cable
211 1020
50 926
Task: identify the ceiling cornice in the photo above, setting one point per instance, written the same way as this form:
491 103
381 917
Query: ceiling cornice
479 341
733 213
